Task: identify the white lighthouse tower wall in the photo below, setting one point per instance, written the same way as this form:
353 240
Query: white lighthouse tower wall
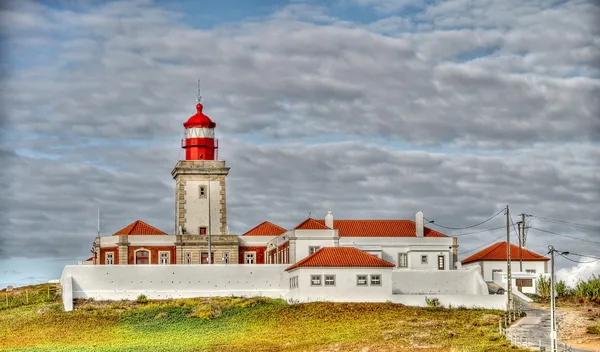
197 206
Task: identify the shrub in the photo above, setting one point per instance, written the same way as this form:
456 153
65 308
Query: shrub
141 299
432 302
562 290
543 286
594 329
588 290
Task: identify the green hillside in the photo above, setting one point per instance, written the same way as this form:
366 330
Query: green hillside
237 324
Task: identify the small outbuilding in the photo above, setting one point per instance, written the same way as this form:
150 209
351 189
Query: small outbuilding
340 274
492 264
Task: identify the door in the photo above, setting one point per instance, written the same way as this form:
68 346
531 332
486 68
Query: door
142 257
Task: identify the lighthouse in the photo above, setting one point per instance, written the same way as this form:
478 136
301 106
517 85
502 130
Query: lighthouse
199 142
200 200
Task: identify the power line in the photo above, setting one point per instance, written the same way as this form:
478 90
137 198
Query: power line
514 229
478 248
559 234
564 222
574 261
584 255
466 227
480 231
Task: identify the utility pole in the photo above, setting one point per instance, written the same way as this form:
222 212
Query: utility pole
509 303
521 241
521 230
552 303
553 299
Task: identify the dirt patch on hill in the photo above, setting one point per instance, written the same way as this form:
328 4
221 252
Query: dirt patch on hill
574 325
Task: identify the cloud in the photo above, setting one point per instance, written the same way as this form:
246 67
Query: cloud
449 109
583 271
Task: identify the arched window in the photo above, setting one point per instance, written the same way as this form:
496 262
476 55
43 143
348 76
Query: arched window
142 257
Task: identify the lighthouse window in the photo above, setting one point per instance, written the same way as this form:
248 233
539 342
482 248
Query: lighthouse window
202 191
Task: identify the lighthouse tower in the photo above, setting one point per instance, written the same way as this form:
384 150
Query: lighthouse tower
200 202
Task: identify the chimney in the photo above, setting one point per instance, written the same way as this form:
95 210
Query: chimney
419 224
329 220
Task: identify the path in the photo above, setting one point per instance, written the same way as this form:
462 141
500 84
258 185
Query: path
533 330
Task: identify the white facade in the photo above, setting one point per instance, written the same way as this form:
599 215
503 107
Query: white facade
304 240
346 287
488 267
415 248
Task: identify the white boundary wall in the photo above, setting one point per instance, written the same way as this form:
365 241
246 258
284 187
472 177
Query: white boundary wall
438 282
115 282
468 301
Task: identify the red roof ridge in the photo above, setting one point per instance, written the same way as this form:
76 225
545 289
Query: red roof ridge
139 227
311 224
375 228
497 252
265 228
341 257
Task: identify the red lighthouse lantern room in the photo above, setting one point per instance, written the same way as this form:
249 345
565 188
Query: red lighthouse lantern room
200 142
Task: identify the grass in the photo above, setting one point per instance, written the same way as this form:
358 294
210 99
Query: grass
594 329
255 324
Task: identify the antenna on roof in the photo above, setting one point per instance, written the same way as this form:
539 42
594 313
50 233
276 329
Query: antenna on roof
199 96
309 213
98 221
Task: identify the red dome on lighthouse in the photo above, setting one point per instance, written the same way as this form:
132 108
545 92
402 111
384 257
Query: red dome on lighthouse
199 119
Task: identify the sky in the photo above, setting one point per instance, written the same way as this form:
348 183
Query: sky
373 109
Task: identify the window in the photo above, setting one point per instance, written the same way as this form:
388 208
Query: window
250 257
188 257
204 258
164 258
361 280
423 259
329 280
313 249
294 282
226 258
202 191
315 280
530 271
110 258
402 260
494 271
142 256
441 262
375 280
202 230
524 283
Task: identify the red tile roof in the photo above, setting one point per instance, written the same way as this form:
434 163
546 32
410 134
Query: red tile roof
266 229
311 224
341 257
139 228
497 252
370 228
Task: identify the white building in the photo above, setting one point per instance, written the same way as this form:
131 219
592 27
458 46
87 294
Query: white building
408 245
491 262
340 274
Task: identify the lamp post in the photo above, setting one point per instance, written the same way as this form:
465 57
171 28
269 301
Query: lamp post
552 298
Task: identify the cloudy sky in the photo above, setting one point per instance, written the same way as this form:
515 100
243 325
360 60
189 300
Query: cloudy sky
369 108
